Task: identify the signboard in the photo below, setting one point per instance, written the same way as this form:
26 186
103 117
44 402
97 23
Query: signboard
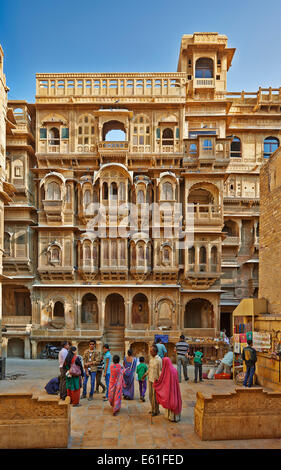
164 338
261 341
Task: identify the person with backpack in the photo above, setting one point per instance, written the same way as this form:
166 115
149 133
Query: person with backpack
249 356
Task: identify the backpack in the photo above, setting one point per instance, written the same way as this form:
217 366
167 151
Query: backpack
249 355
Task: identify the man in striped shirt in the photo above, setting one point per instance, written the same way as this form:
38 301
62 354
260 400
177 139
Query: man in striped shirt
182 349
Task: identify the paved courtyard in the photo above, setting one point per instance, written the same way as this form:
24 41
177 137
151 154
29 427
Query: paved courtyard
93 426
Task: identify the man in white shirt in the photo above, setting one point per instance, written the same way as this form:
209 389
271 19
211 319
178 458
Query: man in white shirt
62 355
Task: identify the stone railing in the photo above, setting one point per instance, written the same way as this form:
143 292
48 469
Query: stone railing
16 320
102 85
113 145
204 83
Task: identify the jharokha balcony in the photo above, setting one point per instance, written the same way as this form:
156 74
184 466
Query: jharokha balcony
207 214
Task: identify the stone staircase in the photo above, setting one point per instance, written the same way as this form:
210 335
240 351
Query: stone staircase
115 339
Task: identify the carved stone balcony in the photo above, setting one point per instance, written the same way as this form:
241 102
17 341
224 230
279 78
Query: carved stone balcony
16 265
204 83
207 214
141 271
231 241
54 210
88 272
202 276
114 270
56 273
106 87
165 273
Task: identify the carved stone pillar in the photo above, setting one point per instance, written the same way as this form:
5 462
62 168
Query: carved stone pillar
4 352
102 317
208 260
196 267
34 349
27 347
128 314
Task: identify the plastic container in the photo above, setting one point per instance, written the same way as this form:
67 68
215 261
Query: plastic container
222 376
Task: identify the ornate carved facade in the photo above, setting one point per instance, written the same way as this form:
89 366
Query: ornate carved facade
190 156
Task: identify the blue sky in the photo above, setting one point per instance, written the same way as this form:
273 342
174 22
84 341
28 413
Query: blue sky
134 36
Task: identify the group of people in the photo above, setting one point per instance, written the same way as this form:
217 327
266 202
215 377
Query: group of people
159 376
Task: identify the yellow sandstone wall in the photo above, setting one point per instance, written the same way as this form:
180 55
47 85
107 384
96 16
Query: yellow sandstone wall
270 233
27 422
244 414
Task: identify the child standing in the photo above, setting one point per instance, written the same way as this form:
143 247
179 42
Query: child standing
198 365
141 370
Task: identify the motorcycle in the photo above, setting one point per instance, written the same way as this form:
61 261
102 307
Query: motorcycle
50 352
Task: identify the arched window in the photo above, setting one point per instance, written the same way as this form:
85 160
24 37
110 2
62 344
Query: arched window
105 252
202 258
141 131
89 309
168 137
53 191
54 136
114 191
140 255
18 169
7 244
87 198
55 254
235 149
269 146
122 251
105 191
166 254
113 131
114 251
191 256
204 68
167 191
193 149
58 309
87 253
214 258
86 130
207 145
140 196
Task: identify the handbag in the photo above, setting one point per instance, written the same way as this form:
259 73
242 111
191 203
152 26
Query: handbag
75 370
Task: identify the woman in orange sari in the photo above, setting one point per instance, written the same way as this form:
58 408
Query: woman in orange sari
115 385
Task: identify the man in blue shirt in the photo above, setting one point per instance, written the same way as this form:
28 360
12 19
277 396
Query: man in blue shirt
107 362
162 351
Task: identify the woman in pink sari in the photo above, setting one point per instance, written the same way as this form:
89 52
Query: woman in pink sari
115 385
167 390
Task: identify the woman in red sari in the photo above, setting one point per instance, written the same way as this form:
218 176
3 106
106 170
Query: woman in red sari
115 385
167 390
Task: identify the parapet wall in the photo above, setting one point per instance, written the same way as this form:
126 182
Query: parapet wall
28 422
249 413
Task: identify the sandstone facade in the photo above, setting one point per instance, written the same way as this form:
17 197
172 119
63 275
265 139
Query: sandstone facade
186 141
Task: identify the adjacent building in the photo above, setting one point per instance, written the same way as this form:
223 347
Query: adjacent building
176 203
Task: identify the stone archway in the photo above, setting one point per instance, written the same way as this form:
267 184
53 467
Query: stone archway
140 309
199 313
115 323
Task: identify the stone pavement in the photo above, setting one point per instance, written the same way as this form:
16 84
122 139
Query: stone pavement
93 426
